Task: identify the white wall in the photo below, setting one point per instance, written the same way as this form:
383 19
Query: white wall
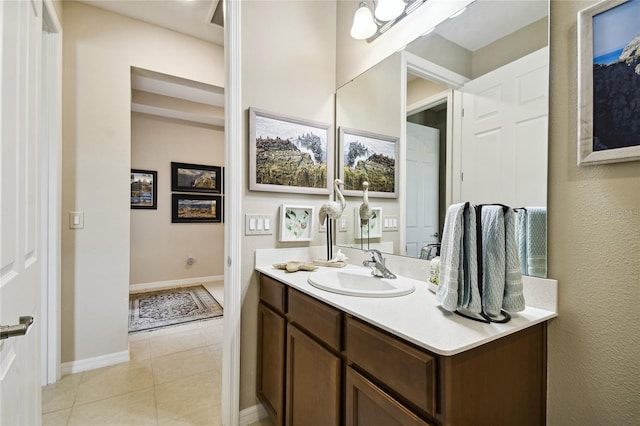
288 63
594 253
159 248
98 52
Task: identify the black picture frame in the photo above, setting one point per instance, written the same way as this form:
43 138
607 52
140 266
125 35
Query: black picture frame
196 208
186 177
144 189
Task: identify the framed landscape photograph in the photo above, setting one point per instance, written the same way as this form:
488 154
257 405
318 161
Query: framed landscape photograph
289 154
187 177
609 82
186 208
369 157
144 192
296 223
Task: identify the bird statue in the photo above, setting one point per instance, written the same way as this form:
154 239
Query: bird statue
332 210
365 212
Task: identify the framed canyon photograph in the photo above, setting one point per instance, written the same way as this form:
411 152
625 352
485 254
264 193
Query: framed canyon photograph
187 208
288 154
144 191
187 177
609 82
369 157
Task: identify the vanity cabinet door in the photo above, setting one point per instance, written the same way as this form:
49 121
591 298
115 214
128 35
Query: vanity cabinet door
368 405
313 382
271 356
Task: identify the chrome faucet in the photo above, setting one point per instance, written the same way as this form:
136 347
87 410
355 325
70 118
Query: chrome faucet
377 265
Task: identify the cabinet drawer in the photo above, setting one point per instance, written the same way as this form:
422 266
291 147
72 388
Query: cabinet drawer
273 293
368 405
319 319
408 371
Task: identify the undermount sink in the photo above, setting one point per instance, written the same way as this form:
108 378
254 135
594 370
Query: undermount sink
355 282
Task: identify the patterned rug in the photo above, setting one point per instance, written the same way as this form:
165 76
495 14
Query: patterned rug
164 308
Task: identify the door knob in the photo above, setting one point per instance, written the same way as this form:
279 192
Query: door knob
7 331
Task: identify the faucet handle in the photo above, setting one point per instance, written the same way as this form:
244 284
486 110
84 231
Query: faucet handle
376 256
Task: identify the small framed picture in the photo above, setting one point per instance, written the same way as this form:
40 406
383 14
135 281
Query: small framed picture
288 154
296 223
144 192
371 230
370 157
608 82
186 208
187 177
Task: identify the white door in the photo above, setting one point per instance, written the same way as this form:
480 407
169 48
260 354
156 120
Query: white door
423 153
20 251
504 134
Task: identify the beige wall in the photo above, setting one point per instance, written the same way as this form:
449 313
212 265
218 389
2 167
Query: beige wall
98 52
159 248
288 65
594 253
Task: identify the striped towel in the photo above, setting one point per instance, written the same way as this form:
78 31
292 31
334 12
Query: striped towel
521 238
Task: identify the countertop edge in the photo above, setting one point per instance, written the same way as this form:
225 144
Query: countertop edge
491 332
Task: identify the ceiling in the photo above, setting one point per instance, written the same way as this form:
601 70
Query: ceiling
191 17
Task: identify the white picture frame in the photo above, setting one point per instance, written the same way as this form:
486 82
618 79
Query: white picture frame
373 229
602 29
371 144
274 137
296 223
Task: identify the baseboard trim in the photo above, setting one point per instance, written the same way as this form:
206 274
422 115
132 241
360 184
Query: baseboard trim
161 285
93 363
252 414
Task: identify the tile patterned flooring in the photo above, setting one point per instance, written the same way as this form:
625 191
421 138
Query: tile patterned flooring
173 378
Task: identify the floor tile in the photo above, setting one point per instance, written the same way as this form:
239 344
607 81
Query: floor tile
61 394
190 400
168 344
56 418
136 408
105 384
175 366
139 350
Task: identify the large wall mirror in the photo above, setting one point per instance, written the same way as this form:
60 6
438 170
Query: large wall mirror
468 104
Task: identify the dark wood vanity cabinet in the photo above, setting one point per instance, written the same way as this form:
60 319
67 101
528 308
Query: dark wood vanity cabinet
320 366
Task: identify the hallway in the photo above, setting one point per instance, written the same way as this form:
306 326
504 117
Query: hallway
173 378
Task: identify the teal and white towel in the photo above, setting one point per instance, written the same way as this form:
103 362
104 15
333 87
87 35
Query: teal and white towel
458 286
493 258
521 238
537 241
470 297
451 255
513 300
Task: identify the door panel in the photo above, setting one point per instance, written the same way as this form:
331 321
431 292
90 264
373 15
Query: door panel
504 134
422 164
20 271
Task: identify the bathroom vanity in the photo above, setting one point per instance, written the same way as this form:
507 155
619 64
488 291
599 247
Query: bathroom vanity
332 359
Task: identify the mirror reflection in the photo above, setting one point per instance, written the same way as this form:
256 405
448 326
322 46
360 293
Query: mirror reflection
468 103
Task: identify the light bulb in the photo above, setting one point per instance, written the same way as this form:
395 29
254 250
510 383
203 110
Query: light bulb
386 10
363 25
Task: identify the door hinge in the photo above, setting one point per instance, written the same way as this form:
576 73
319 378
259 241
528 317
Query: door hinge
462 112
461 176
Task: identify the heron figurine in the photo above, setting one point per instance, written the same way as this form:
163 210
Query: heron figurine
332 210
365 212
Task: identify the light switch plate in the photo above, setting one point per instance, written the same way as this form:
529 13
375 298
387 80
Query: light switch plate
76 220
389 223
258 224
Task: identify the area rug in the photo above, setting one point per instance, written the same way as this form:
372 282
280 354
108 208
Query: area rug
165 308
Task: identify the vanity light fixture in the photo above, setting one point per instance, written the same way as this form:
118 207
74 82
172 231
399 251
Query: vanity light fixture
363 24
387 13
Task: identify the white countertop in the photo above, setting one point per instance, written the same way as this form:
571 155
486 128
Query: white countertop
416 317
